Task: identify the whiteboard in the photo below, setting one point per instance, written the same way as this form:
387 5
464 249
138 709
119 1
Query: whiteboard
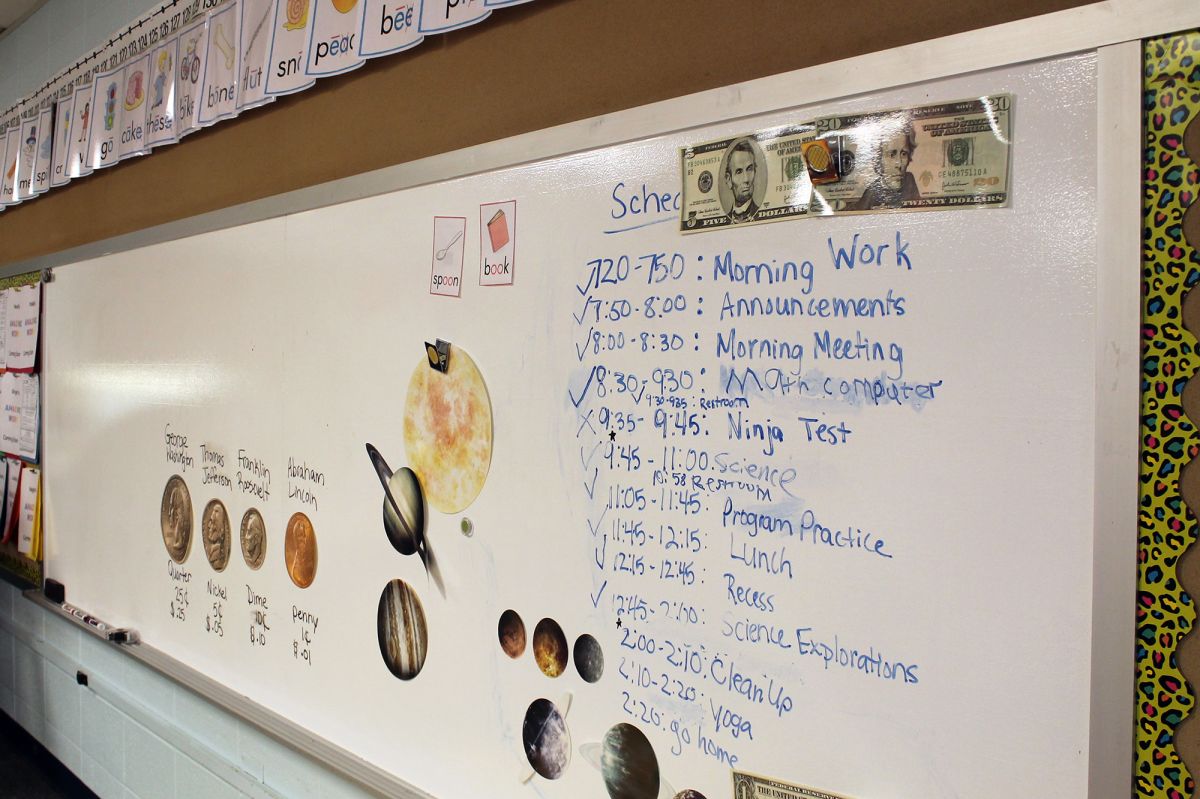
293 342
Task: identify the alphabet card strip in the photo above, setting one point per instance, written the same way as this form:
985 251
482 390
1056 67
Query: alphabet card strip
133 109
289 47
26 152
102 145
8 180
63 115
497 243
78 163
333 43
389 26
255 52
218 96
439 16
449 234
193 51
40 183
160 116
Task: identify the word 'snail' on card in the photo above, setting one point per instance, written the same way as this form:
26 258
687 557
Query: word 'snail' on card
497 243
449 245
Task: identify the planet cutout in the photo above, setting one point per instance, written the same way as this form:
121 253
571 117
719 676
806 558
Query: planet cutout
345 6
628 764
550 648
689 793
448 431
511 630
589 658
403 636
546 738
403 506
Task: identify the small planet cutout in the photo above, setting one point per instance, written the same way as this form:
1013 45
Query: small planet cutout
448 431
403 506
512 634
547 739
403 637
550 648
688 793
589 658
628 764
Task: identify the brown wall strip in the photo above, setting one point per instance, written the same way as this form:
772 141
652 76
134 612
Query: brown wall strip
526 68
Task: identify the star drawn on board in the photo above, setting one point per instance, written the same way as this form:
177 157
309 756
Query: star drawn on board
618 621
612 435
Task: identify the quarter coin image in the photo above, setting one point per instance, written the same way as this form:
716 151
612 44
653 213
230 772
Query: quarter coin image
448 431
175 516
512 634
217 540
628 764
254 538
550 648
403 637
300 550
547 739
589 658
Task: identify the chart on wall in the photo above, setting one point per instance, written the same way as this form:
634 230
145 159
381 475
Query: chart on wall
514 486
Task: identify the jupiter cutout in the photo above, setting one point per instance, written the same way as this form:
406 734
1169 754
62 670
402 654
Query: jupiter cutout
403 638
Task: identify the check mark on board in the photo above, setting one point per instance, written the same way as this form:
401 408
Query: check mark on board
591 454
591 489
596 526
586 386
579 353
596 596
583 313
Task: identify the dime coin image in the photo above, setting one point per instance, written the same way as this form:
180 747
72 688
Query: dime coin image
448 431
512 634
254 538
550 647
628 764
215 529
175 516
589 658
546 738
403 636
300 550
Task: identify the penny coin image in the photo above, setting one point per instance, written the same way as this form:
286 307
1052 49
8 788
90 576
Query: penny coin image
550 648
403 635
512 634
215 530
175 517
300 550
254 538
546 738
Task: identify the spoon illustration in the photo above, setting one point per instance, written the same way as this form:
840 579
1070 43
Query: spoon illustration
441 254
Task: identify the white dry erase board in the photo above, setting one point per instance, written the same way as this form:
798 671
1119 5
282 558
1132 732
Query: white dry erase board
905 612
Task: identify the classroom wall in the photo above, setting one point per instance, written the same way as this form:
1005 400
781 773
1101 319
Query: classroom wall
526 68
132 733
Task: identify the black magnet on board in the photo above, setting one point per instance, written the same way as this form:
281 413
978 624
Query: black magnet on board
55 591
438 355
81 678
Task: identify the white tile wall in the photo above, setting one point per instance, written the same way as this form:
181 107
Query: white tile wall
195 749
